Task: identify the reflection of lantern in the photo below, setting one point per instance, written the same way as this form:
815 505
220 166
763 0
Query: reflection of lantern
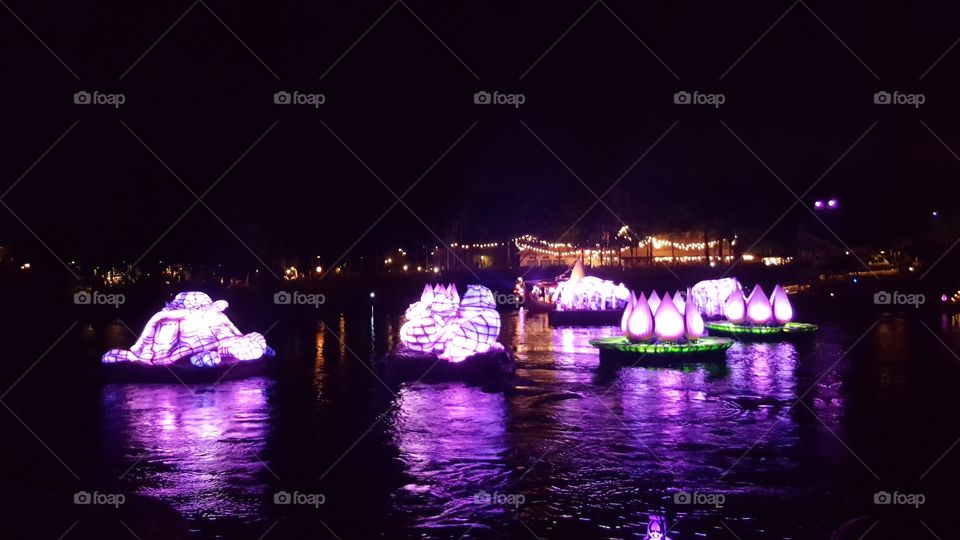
782 310
693 320
668 323
626 312
640 323
654 302
759 310
735 308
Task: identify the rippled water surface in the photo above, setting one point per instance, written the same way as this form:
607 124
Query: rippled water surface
785 440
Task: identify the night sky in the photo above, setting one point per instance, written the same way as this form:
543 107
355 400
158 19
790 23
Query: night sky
598 81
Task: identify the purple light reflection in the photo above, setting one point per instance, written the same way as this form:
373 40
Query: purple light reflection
196 451
451 441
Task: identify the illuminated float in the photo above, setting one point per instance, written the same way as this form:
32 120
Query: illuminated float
758 317
449 337
189 340
663 335
710 296
583 300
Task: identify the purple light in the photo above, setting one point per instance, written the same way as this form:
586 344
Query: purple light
656 528
759 310
191 326
590 293
711 296
640 323
654 301
668 323
693 321
735 308
626 312
679 302
453 329
818 204
832 203
782 310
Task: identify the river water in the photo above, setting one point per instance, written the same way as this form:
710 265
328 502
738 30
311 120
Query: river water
782 440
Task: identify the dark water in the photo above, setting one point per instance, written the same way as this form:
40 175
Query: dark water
568 449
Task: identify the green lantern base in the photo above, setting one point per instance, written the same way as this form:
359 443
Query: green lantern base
622 349
761 332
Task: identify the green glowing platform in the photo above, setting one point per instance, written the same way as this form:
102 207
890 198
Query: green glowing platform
758 332
621 349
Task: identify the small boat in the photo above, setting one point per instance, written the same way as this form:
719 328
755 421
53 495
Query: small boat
536 296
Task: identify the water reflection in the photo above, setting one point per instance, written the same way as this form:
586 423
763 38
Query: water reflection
195 448
452 441
592 450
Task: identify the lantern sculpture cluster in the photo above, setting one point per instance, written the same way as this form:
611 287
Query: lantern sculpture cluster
710 296
443 324
670 319
192 328
758 309
760 316
590 293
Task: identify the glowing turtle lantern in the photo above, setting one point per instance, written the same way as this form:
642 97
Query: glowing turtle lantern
443 330
189 339
760 317
666 334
